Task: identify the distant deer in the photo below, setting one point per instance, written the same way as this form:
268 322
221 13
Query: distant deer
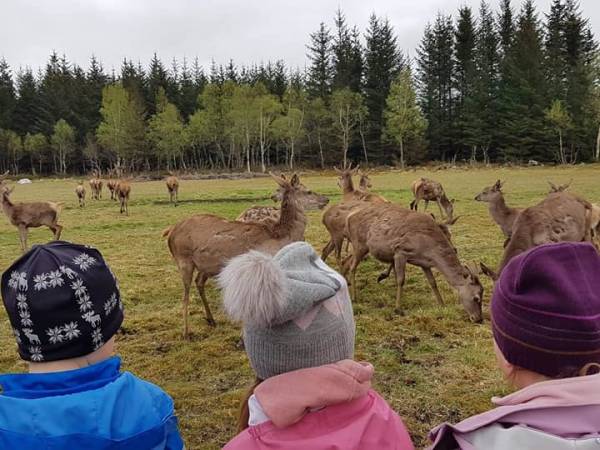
122 190
96 188
502 214
173 188
431 191
334 218
80 192
309 200
112 187
204 243
31 215
395 235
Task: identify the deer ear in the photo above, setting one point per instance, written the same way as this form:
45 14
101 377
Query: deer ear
295 181
283 177
280 181
452 221
356 169
553 187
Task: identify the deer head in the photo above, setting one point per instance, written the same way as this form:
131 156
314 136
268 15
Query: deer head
365 181
490 193
471 293
308 199
345 177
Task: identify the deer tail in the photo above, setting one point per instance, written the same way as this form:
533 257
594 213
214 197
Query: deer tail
167 231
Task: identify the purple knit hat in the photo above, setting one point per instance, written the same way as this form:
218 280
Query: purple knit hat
546 309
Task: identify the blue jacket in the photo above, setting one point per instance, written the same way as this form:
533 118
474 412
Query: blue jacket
94 408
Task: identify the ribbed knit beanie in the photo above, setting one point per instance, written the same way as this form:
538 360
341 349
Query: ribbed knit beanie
295 310
62 301
546 309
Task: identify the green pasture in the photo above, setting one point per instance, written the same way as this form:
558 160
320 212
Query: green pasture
432 365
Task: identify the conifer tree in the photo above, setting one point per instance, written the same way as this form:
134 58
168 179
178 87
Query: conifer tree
320 72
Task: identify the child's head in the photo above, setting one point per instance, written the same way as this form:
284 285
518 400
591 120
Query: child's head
63 302
546 313
296 313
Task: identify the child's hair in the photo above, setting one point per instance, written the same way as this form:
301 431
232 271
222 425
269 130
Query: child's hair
244 408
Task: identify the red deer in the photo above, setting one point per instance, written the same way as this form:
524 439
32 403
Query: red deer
204 243
96 188
112 187
173 188
559 217
502 214
123 189
309 200
80 192
334 218
431 191
398 236
31 215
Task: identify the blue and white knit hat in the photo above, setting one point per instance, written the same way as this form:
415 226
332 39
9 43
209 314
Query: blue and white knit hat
62 300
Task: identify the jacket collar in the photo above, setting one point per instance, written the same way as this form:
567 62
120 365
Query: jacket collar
38 385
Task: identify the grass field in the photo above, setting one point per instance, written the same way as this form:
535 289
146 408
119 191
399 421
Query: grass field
432 364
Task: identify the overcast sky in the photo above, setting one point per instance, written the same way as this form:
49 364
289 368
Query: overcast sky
246 30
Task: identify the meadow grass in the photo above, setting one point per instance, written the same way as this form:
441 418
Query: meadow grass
432 365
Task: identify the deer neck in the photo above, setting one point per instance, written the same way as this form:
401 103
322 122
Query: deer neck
447 262
348 186
292 221
446 204
499 209
7 206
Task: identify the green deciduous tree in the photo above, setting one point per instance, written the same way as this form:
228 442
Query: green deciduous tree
347 110
166 132
63 143
561 121
403 117
36 147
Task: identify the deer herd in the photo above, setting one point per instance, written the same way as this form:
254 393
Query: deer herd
364 222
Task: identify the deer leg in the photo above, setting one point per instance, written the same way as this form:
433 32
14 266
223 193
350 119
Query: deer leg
385 274
358 255
426 204
399 267
200 282
187 272
57 230
431 279
23 237
329 247
414 205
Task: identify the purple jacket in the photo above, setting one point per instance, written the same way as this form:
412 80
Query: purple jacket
552 415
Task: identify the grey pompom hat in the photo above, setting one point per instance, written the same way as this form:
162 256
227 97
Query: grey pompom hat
295 310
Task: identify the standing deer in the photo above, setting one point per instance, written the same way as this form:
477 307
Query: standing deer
559 217
31 215
431 191
80 192
502 214
204 243
173 188
398 236
334 218
309 200
112 187
123 189
96 188
364 183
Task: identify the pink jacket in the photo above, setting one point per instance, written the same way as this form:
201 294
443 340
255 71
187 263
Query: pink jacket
557 414
352 417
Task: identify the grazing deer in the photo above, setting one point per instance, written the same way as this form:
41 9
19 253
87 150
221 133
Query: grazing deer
96 188
173 188
204 243
309 200
431 191
559 217
80 192
395 235
31 215
123 189
502 214
112 187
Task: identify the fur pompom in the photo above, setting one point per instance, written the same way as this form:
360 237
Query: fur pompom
254 289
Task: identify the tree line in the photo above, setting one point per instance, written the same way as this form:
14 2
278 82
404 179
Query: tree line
491 86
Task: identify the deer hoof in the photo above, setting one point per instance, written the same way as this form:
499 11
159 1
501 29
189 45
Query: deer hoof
382 276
